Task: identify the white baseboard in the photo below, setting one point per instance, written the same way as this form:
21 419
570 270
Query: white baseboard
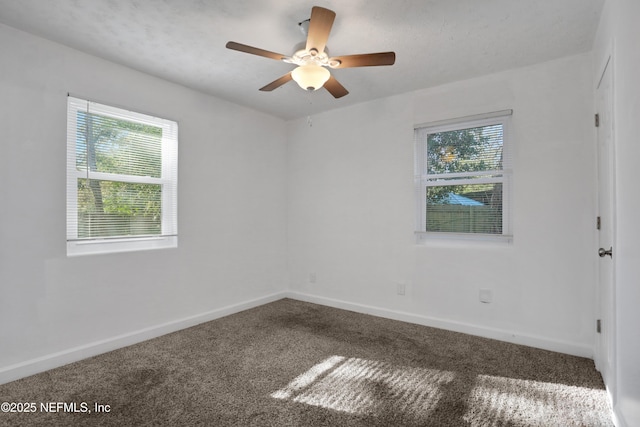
575 349
55 360
618 418
626 412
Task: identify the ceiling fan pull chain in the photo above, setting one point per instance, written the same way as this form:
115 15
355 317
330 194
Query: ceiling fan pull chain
310 96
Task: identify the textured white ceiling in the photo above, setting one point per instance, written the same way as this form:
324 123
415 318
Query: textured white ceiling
436 41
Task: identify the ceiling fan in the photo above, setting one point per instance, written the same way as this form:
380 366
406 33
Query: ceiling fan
312 61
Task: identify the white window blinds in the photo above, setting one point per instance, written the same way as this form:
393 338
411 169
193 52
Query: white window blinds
463 174
121 179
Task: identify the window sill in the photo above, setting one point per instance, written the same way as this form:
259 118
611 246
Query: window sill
107 246
428 237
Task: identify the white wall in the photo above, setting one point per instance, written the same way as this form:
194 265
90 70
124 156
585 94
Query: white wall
351 211
231 209
619 28
339 193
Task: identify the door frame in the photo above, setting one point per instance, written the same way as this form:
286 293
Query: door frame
605 348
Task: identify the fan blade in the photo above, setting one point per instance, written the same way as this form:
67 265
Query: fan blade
277 83
335 88
319 28
255 51
365 60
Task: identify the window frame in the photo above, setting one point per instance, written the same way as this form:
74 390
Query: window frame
168 180
423 179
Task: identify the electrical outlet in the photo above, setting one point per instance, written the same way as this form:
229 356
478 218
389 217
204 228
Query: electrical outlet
401 288
312 277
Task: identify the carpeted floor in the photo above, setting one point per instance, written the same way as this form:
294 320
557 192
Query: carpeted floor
291 363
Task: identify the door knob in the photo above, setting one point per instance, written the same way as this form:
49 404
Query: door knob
604 252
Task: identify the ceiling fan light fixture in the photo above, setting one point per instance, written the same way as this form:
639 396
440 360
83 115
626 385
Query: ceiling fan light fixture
312 58
311 76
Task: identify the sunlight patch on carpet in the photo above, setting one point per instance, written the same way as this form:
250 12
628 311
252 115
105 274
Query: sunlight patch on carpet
497 401
360 386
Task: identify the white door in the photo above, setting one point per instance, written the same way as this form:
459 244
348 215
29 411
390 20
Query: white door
605 339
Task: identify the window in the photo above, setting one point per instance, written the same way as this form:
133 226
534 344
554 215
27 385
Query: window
121 180
463 177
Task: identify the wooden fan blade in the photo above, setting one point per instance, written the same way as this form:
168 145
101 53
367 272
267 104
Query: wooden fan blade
255 51
319 28
277 83
335 88
365 60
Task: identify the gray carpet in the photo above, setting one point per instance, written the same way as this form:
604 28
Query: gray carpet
291 363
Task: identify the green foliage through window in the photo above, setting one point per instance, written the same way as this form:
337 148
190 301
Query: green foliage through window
461 175
105 144
111 208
